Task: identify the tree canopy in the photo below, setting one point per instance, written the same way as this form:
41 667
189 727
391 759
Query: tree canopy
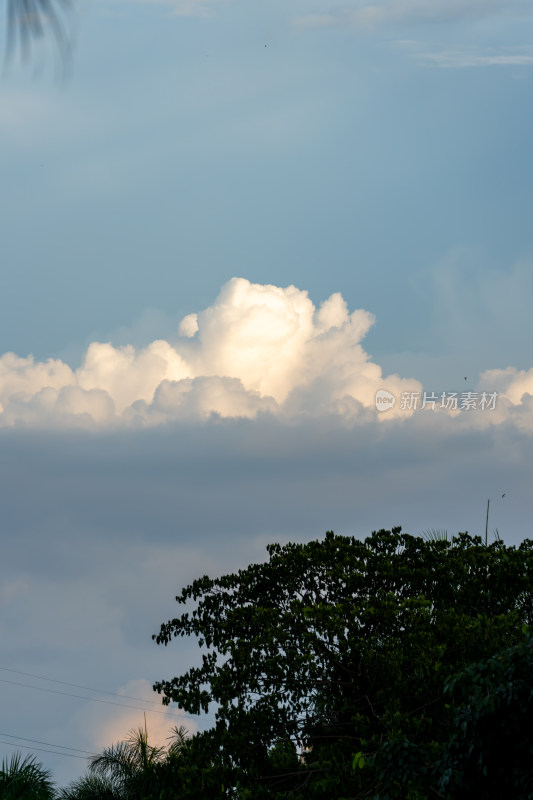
346 668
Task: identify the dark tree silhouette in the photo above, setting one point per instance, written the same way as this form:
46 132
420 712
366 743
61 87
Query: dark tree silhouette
397 668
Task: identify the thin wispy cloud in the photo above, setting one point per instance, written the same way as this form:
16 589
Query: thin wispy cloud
465 57
188 8
370 17
467 31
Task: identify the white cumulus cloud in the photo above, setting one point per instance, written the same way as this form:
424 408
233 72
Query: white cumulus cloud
513 384
110 727
256 349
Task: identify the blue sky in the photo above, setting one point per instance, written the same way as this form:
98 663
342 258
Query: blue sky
182 152
375 154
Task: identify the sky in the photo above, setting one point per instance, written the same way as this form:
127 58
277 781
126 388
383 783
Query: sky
266 270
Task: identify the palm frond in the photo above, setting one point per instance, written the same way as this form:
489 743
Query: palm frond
91 787
126 760
30 20
130 769
178 737
435 535
25 778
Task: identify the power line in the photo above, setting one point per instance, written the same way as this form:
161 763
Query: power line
97 699
81 697
48 744
42 750
74 685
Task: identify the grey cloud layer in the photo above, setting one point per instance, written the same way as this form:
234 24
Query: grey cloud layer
101 528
